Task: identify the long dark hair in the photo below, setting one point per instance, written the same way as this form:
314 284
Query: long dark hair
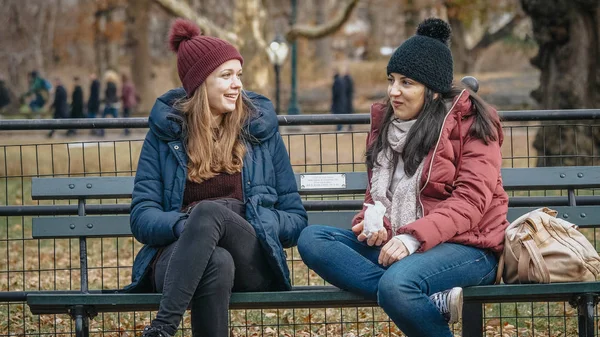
424 134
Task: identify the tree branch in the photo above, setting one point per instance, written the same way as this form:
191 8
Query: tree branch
258 37
183 10
317 32
489 38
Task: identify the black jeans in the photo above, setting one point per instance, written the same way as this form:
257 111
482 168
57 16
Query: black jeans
217 251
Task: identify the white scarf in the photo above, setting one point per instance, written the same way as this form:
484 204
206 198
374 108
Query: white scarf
405 208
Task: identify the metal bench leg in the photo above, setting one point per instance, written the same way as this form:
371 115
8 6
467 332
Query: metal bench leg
82 315
472 317
81 328
586 304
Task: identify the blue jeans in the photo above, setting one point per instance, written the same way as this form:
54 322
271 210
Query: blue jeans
110 110
37 104
402 289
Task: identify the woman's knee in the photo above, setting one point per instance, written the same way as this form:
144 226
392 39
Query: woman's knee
396 290
308 242
220 271
204 214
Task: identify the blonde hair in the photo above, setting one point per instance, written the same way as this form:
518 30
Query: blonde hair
212 151
111 76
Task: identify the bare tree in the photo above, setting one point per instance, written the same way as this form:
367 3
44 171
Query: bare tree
249 32
461 15
27 45
138 23
568 34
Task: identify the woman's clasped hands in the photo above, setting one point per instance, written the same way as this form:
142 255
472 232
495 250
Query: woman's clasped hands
392 251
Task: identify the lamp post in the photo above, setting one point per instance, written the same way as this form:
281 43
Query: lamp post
293 108
277 52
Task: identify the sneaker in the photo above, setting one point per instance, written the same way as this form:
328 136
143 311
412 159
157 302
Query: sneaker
449 303
154 331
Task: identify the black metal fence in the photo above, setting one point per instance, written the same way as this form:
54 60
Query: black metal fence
530 138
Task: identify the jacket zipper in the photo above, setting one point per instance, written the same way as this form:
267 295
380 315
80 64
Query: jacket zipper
435 151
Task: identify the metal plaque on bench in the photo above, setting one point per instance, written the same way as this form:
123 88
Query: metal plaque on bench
322 181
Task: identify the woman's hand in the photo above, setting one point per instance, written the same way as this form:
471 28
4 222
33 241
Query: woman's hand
393 251
376 239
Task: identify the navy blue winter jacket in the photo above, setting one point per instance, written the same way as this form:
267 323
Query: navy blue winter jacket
273 205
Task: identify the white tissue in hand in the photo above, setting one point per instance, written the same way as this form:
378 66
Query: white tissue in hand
373 221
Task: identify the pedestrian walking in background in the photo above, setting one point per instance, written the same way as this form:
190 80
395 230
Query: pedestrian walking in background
40 89
76 103
59 107
349 96
111 99
93 104
5 95
129 97
338 96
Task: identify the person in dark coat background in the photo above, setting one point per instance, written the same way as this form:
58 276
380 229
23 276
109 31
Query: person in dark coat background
93 104
349 88
338 96
5 94
129 97
76 104
59 106
111 98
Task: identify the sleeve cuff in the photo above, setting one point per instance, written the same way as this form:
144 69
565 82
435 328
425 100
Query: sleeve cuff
409 242
178 228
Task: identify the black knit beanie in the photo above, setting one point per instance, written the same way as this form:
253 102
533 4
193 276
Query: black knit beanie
426 57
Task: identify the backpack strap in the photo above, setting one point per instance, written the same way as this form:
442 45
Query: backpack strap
531 254
500 269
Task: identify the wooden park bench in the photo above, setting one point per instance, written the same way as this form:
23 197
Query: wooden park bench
328 210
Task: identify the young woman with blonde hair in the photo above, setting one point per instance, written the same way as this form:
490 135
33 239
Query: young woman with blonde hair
215 200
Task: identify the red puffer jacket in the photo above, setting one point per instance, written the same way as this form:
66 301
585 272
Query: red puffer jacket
461 186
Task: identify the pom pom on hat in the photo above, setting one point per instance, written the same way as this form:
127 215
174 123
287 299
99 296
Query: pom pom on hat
182 30
437 29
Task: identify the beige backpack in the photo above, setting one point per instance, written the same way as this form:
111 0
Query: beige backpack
540 248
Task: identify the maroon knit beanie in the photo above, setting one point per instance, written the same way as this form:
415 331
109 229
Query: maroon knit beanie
198 55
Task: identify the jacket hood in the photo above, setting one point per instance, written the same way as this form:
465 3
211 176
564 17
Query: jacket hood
166 121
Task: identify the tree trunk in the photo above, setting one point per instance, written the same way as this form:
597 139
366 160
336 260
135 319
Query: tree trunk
323 46
24 36
112 47
463 62
568 33
138 22
99 44
249 20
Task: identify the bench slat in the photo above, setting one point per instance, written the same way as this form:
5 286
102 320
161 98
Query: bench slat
539 178
582 216
81 187
319 297
118 225
550 178
74 226
529 292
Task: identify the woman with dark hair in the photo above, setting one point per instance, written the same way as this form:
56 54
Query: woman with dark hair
215 200
433 160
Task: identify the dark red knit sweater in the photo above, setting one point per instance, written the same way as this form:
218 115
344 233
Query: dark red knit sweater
218 187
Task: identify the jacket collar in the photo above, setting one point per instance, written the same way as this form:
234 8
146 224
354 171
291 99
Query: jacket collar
166 122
